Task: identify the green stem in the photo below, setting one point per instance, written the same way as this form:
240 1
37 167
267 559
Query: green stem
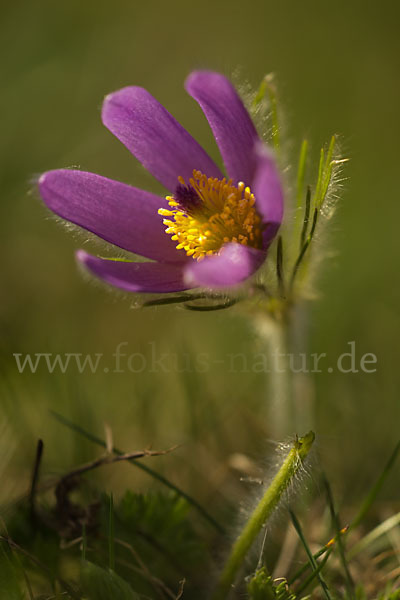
263 512
279 393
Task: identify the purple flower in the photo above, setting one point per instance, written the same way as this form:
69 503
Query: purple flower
209 232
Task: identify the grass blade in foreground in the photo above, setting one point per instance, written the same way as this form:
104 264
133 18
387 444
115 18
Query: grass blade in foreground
314 574
263 512
365 507
340 540
313 562
371 497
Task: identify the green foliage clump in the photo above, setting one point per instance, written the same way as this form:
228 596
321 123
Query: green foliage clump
103 584
164 518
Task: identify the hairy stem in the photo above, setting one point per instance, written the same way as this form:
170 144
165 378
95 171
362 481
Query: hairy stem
262 513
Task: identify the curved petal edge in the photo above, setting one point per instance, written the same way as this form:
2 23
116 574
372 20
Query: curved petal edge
141 277
229 120
231 267
154 136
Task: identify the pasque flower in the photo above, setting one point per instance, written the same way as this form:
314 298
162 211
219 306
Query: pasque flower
211 231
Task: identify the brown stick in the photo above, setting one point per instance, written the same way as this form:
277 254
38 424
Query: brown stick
110 459
35 477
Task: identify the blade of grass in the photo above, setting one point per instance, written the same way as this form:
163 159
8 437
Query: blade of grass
371 496
373 535
303 586
340 543
312 560
316 555
301 169
306 217
96 440
111 547
35 476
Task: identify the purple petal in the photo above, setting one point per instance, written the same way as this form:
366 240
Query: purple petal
229 120
118 213
157 140
235 264
144 277
267 189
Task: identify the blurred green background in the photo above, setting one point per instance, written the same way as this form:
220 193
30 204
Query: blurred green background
337 67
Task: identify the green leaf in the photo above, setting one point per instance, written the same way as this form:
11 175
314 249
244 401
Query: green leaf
102 584
260 586
162 517
263 587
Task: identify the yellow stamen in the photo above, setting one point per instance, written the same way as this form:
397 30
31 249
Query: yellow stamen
165 212
225 213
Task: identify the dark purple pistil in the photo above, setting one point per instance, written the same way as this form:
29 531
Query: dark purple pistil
187 197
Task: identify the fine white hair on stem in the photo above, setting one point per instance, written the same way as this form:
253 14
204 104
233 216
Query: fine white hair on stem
286 470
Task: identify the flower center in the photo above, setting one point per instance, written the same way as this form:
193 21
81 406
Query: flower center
207 213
